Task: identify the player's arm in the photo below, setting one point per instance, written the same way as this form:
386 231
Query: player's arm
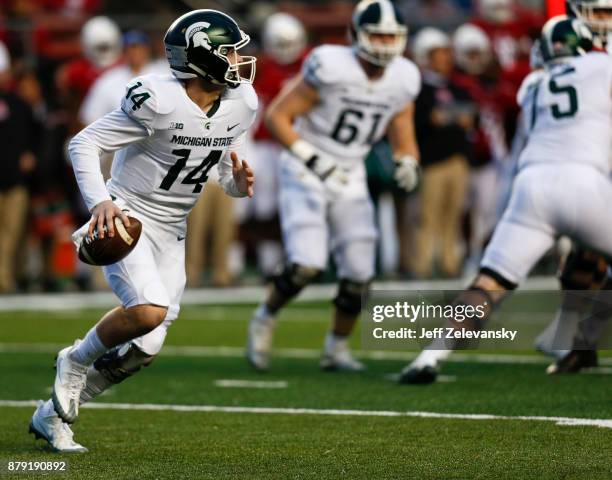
295 100
235 174
110 133
403 142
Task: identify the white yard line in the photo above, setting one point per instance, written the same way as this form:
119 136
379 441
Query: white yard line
230 383
234 295
565 421
306 353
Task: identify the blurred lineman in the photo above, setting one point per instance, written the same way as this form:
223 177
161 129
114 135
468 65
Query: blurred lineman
105 94
563 185
169 132
573 334
345 100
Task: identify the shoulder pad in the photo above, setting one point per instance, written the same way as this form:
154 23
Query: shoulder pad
247 94
528 81
408 75
144 99
323 65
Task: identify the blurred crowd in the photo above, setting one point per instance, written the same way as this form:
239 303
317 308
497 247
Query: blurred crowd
65 63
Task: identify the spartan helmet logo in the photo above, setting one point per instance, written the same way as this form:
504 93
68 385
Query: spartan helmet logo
196 34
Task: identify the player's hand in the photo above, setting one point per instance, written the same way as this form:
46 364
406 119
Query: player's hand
103 214
407 172
243 175
323 166
336 182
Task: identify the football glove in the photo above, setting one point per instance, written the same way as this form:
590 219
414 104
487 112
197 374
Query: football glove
320 164
407 172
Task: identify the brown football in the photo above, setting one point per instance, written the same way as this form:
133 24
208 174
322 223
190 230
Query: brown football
109 250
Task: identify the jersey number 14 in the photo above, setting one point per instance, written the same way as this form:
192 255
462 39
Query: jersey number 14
195 177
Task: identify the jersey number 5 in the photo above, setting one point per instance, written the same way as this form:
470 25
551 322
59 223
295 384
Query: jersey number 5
555 88
192 178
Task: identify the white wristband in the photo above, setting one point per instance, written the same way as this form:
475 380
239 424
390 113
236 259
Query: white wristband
303 150
405 159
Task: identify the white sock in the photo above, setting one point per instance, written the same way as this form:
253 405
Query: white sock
333 342
47 409
263 314
89 350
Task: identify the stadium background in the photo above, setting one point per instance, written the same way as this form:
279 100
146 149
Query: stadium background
199 411
51 72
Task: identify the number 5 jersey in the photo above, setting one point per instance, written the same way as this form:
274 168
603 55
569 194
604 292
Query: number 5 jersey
567 109
166 148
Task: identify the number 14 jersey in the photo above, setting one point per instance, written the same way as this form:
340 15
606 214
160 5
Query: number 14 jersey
166 147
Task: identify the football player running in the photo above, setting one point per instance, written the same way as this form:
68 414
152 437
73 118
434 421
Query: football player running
573 334
345 100
563 185
169 132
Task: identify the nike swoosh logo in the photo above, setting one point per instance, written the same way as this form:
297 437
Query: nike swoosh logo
232 127
180 239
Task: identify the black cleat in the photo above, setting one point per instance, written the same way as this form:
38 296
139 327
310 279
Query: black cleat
418 376
573 362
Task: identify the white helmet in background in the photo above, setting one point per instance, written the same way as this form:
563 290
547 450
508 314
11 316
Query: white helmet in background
5 58
284 38
425 41
101 41
496 11
472 49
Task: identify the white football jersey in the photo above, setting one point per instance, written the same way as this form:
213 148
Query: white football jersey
354 111
166 147
567 110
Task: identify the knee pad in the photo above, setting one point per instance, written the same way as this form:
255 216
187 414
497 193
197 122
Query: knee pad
122 362
350 296
583 270
294 278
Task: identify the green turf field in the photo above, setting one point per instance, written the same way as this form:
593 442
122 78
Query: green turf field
323 443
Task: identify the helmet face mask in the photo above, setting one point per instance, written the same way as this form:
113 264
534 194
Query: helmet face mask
205 43
378 32
597 14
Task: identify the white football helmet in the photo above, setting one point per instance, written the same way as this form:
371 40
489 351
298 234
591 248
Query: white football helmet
425 41
472 49
5 58
101 41
373 19
283 38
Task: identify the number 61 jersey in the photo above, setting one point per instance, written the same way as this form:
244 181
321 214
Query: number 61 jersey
353 112
567 112
160 169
